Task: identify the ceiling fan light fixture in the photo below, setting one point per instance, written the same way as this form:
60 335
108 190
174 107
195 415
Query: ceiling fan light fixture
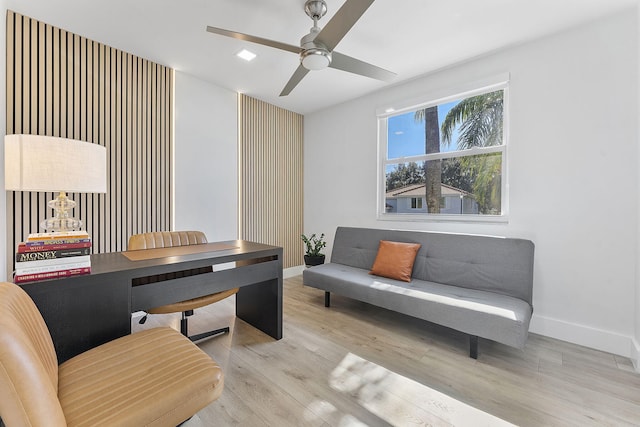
315 59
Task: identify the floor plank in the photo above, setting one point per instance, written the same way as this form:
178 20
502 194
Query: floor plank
354 364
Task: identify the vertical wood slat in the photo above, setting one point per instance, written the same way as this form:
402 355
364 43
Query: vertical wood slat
33 103
10 81
62 84
44 97
63 106
271 174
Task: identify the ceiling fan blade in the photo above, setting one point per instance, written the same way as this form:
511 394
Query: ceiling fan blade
352 65
294 80
342 22
254 39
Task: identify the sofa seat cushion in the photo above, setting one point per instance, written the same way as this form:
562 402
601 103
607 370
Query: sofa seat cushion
174 377
489 315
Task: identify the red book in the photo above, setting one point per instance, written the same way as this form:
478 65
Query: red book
30 247
24 278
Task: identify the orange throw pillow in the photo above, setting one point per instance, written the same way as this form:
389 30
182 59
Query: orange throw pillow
395 260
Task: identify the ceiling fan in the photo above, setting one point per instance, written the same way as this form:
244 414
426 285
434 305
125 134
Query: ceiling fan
316 48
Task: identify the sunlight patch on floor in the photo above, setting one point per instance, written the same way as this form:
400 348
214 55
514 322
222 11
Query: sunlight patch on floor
402 401
324 410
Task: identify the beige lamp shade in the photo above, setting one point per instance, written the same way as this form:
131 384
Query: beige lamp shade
46 163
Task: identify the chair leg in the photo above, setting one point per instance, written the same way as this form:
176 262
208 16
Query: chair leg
183 325
198 337
184 329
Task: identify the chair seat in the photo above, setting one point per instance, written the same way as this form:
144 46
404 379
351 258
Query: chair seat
150 378
192 304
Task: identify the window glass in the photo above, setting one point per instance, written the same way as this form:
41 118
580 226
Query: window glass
416 203
451 155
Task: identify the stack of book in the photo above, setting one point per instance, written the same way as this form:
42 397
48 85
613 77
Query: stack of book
53 255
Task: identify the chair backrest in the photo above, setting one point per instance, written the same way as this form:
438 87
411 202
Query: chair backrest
28 363
165 239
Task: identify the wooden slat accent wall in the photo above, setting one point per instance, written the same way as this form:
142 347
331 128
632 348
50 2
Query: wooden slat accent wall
61 84
271 177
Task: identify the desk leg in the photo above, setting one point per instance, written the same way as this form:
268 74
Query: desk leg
82 312
261 306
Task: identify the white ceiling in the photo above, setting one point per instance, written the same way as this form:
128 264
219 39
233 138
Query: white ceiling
408 37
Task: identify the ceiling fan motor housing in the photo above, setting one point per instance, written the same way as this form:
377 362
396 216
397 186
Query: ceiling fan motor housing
314 56
315 9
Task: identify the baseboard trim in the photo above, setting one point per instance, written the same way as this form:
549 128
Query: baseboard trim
287 273
587 336
635 354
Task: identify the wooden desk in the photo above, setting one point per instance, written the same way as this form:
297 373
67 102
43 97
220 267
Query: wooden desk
83 312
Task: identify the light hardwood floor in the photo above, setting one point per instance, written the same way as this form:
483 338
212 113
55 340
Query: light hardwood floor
355 364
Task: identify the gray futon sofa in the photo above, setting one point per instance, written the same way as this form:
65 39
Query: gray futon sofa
479 285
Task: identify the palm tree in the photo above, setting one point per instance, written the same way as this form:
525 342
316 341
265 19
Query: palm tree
480 118
433 168
480 121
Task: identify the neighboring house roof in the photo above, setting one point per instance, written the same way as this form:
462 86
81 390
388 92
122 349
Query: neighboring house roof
418 190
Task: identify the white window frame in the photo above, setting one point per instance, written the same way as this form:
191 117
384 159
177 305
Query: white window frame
500 82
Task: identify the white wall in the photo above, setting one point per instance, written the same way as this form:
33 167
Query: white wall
4 274
206 158
572 151
635 348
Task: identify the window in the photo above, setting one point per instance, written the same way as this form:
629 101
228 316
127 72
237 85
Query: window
450 152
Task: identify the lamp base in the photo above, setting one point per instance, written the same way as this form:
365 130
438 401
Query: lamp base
62 221
55 224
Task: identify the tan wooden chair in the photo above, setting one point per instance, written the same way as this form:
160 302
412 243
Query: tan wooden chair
152 378
165 239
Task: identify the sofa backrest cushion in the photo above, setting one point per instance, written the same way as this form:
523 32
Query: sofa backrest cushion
495 264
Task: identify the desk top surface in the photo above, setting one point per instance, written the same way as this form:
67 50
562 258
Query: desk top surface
232 250
151 253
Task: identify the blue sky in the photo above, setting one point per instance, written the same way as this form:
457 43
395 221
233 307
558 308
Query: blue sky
406 137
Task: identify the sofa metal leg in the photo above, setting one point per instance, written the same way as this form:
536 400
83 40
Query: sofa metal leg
473 346
327 299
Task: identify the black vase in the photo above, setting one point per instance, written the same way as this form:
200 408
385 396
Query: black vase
310 261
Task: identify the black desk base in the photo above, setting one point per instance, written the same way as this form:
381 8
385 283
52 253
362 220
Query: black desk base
83 312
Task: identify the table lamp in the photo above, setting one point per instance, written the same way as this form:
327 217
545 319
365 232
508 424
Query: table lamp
46 163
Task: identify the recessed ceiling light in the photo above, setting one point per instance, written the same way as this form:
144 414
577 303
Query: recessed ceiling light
246 55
